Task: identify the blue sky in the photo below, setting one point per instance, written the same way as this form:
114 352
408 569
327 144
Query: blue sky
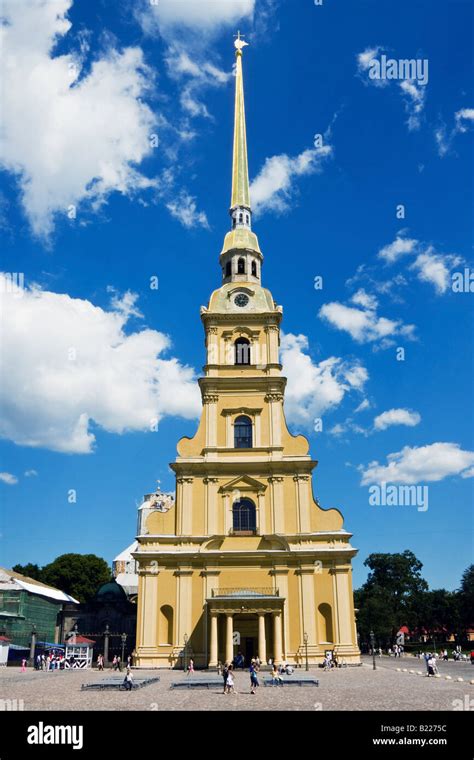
122 119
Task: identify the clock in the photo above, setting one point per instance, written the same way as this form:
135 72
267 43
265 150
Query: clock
241 299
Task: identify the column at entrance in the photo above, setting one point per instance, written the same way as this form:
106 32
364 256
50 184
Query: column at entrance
277 654
229 638
214 641
262 641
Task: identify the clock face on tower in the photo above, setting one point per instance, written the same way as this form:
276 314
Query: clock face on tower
241 299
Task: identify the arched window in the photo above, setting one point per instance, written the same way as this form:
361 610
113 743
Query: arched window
247 219
243 432
165 627
325 624
241 218
241 266
244 516
228 269
254 269
242 351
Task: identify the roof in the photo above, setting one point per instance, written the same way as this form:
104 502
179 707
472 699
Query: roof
126 554
111 590
11 579
4 639
78 639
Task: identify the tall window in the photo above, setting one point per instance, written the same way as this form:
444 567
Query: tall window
243 432
244 515
241 266
254 269
242 351
228 269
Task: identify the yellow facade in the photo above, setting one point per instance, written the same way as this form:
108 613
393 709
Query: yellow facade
246 560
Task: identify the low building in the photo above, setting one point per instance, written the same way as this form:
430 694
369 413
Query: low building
28 606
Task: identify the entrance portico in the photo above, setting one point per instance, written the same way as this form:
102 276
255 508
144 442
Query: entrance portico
245 620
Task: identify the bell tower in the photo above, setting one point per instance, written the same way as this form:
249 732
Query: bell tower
245 560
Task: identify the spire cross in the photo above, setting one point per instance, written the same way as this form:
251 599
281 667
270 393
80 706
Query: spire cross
239 41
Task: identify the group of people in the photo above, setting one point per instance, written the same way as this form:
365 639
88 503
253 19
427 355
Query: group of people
116 662
431 665
228 669
50 661
397 650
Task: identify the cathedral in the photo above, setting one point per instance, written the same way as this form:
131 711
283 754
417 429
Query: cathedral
243 560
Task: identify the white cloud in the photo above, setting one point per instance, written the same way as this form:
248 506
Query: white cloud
364 325
70 138
429 463
463 120
361 298
8 478
204 16
274 187
414 102
363 406
396 417
435 268
314 389
401 246
185 210
430 266
30 473
413 93
364 63
68 365
194 75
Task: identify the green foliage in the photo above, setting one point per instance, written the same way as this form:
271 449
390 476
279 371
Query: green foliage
466 599
396 594
30 570
79 575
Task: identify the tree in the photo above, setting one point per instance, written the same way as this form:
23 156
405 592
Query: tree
438 613
79 575
391 594
466 599
30 570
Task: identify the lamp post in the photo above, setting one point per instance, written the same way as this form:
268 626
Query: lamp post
185 645
124 641
305 638
106 646
372 645
33 645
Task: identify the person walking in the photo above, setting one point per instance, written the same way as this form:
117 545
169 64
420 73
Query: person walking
190 670
225 673
253 678
23 666
230 680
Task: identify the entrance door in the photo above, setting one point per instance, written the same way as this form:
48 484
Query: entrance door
250 649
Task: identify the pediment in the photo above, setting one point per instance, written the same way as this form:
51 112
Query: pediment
243 483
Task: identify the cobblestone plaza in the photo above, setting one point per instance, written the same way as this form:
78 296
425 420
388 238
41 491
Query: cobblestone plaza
358 689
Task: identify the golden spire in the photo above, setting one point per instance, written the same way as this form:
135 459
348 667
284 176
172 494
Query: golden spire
240 238
240 171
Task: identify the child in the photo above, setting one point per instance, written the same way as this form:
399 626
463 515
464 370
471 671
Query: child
230 681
